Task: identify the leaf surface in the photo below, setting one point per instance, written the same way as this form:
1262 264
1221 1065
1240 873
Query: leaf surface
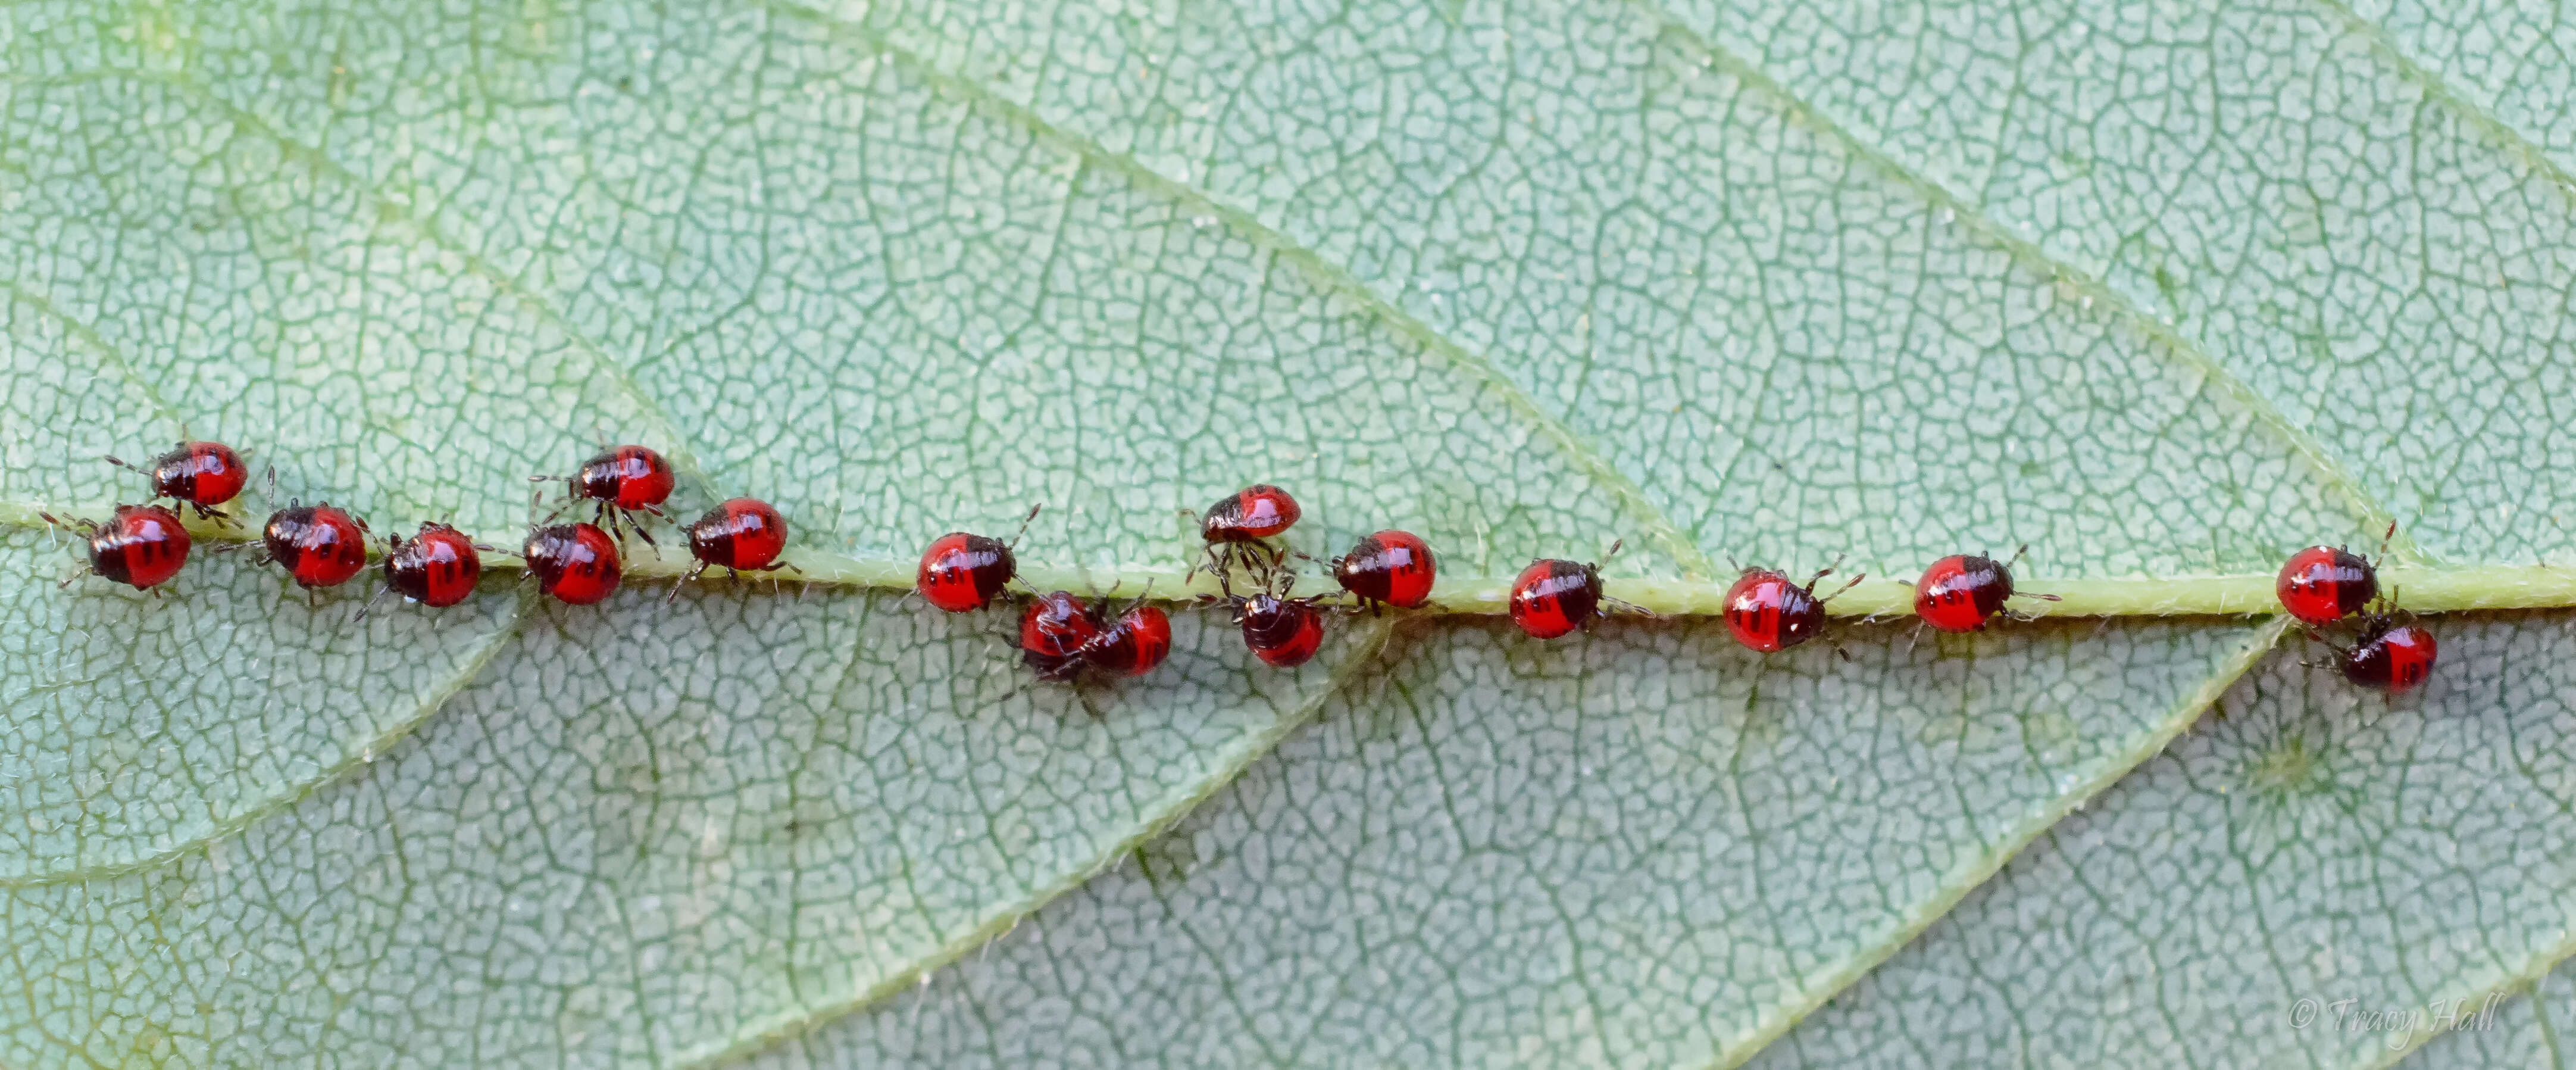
2163 292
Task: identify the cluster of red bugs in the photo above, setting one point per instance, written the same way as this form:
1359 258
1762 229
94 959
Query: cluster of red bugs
322 545
2326 586
1062 636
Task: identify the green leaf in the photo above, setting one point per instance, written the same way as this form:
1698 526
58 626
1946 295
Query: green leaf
1489 856
2162 292
2331 848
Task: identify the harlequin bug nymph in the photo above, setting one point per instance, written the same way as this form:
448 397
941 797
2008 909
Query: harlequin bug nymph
438 567
1389 568
577 564
1131 645
320 545
1961 592
2390 651
962 571
141 546
1054 631
201 474
1283 632
740 535
1247 517
2325 584
1553 597
623 481
1769 612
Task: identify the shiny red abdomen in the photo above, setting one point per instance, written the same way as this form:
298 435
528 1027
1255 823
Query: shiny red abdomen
204 473
1255 512
1282 633
2324 584
437 567
741 533
1134 645
1961 592
2395 660
1553 598
1394 567
1767 612
320 545
141 546
576 563
962 572
628 477
1053 633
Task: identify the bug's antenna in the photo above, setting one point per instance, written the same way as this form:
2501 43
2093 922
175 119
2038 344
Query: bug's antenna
1024 526
1828 571
1838 592
1615 544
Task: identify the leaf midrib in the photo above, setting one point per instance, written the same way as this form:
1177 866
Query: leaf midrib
2424 589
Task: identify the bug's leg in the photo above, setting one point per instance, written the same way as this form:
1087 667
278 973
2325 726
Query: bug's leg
683 581
370 607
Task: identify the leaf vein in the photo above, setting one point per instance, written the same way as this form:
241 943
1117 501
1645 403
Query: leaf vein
279 801
1974 874
1631 498
1976 220
1158 818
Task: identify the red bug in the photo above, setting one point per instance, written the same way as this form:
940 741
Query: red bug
1054 631
1391 567
202 474
576 563
1961 592
963 571
741 535
623 481
1133 644
1283 632
2325 584
1770 612
1555 597
320 545
1246 517
141 545
2389 656
438 567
